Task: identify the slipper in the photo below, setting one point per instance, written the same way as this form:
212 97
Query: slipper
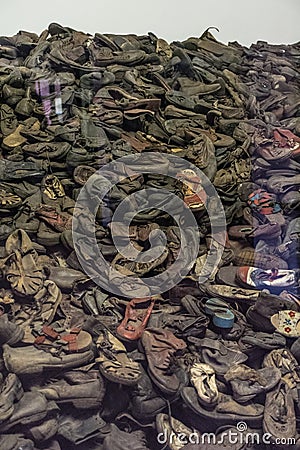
287 322
136 317
114 363
203 379
221 314
272 279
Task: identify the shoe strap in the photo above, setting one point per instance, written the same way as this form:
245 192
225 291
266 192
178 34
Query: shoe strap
71 339
49 332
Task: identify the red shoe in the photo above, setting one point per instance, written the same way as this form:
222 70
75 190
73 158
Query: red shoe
137 314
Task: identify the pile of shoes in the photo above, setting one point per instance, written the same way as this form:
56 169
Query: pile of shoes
84 368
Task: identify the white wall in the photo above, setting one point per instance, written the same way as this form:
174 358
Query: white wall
276 21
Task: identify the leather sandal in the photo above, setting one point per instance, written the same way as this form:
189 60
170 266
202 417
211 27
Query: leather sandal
74 341
114 363
136 317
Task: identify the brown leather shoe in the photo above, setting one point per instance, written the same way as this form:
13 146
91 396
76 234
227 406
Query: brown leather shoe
58 221
160 347
114 363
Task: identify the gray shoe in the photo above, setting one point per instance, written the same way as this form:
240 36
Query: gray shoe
32 408
10 333
84 390
15 442
30 360
120 440
10 392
